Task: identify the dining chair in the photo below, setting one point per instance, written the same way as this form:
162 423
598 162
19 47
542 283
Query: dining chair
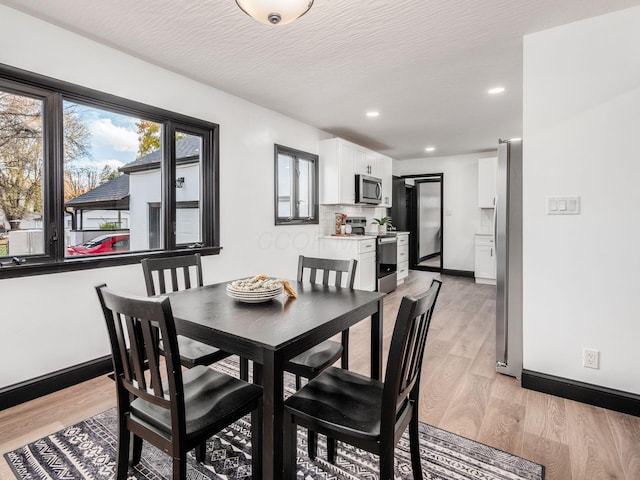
175 411
312 362
364 412
170 274
323 271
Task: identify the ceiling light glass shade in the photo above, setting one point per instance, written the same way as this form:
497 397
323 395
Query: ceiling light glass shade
275 12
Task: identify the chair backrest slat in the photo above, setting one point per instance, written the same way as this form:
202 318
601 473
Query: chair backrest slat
339 268
137 352
156 270
406 352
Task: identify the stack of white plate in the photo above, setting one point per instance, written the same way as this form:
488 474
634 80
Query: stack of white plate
253 296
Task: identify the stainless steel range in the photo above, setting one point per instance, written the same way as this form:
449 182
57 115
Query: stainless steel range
387 262
386 255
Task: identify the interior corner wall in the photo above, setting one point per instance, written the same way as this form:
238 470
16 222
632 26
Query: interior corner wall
461 220
581 125
51 322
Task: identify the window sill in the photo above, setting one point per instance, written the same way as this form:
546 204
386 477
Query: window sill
102 261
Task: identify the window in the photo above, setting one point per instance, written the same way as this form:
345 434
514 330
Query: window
296 186
88 177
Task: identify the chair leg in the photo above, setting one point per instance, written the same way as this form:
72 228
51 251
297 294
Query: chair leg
331 450
122 461
414 446
180 468
386 463
244 369
312 444
256 443
201 452
290 448
345 350
135 448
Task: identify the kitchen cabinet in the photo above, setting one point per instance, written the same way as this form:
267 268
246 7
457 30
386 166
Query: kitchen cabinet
485 259
362 249
487 177
387 181
366 162
403 256
341 161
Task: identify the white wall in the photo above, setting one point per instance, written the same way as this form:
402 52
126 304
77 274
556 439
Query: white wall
581 128
51 322
461 211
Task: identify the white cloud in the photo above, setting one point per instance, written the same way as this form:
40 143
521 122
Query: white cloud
120 138
100 164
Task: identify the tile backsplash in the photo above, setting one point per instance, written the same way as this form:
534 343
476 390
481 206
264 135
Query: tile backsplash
486 220
328 216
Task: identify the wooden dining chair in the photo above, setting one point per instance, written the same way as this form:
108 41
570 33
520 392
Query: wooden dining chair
323 271
174 410
310 363
364 412
170 274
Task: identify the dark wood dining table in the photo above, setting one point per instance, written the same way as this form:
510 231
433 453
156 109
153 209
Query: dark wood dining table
273 332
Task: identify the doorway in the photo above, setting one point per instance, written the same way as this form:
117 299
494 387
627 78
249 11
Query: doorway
425 209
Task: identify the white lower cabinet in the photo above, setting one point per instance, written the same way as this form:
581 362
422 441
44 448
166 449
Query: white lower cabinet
485 261
403 257
361 249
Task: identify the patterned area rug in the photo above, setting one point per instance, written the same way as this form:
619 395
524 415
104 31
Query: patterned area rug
87 450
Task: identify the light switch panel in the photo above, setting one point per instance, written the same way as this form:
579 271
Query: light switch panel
563 205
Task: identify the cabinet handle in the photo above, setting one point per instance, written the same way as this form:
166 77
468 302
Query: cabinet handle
492 251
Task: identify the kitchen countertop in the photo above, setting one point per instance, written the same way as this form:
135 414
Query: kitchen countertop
349 237
367 236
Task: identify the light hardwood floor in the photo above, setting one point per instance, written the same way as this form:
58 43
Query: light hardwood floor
460 392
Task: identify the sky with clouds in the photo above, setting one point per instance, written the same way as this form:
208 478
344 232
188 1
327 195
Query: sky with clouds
113 140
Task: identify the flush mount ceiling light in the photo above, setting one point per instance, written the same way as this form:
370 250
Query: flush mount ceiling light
275 12
373 114
430 149
496 90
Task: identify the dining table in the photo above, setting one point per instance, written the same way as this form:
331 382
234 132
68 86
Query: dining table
271 332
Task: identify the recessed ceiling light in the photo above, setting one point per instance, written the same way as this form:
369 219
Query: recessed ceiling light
495 90
373 114
516 139
430 149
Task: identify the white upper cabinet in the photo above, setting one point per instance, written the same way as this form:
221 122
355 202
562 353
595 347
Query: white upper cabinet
487 177
341 161
387 179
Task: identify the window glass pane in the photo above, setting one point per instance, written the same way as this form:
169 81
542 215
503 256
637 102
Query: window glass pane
21 175
111 180
188 195
305 188
286 169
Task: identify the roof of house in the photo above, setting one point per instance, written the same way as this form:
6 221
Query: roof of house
187 149
112 195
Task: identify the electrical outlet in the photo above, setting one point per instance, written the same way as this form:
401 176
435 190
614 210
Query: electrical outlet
590 358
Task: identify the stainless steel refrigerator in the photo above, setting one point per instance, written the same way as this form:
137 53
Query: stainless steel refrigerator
508 242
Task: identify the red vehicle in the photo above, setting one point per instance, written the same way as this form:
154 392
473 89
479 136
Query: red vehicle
101 245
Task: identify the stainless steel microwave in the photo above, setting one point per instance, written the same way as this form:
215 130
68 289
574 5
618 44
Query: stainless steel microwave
368 189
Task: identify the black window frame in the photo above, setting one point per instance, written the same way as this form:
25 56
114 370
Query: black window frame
297 155
53 92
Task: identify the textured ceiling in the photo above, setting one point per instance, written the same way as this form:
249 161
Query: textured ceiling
424 65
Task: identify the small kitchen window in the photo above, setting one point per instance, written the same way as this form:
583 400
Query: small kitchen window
296 186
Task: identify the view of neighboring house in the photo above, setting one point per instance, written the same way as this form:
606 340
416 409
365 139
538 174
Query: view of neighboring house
106 207
132 201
